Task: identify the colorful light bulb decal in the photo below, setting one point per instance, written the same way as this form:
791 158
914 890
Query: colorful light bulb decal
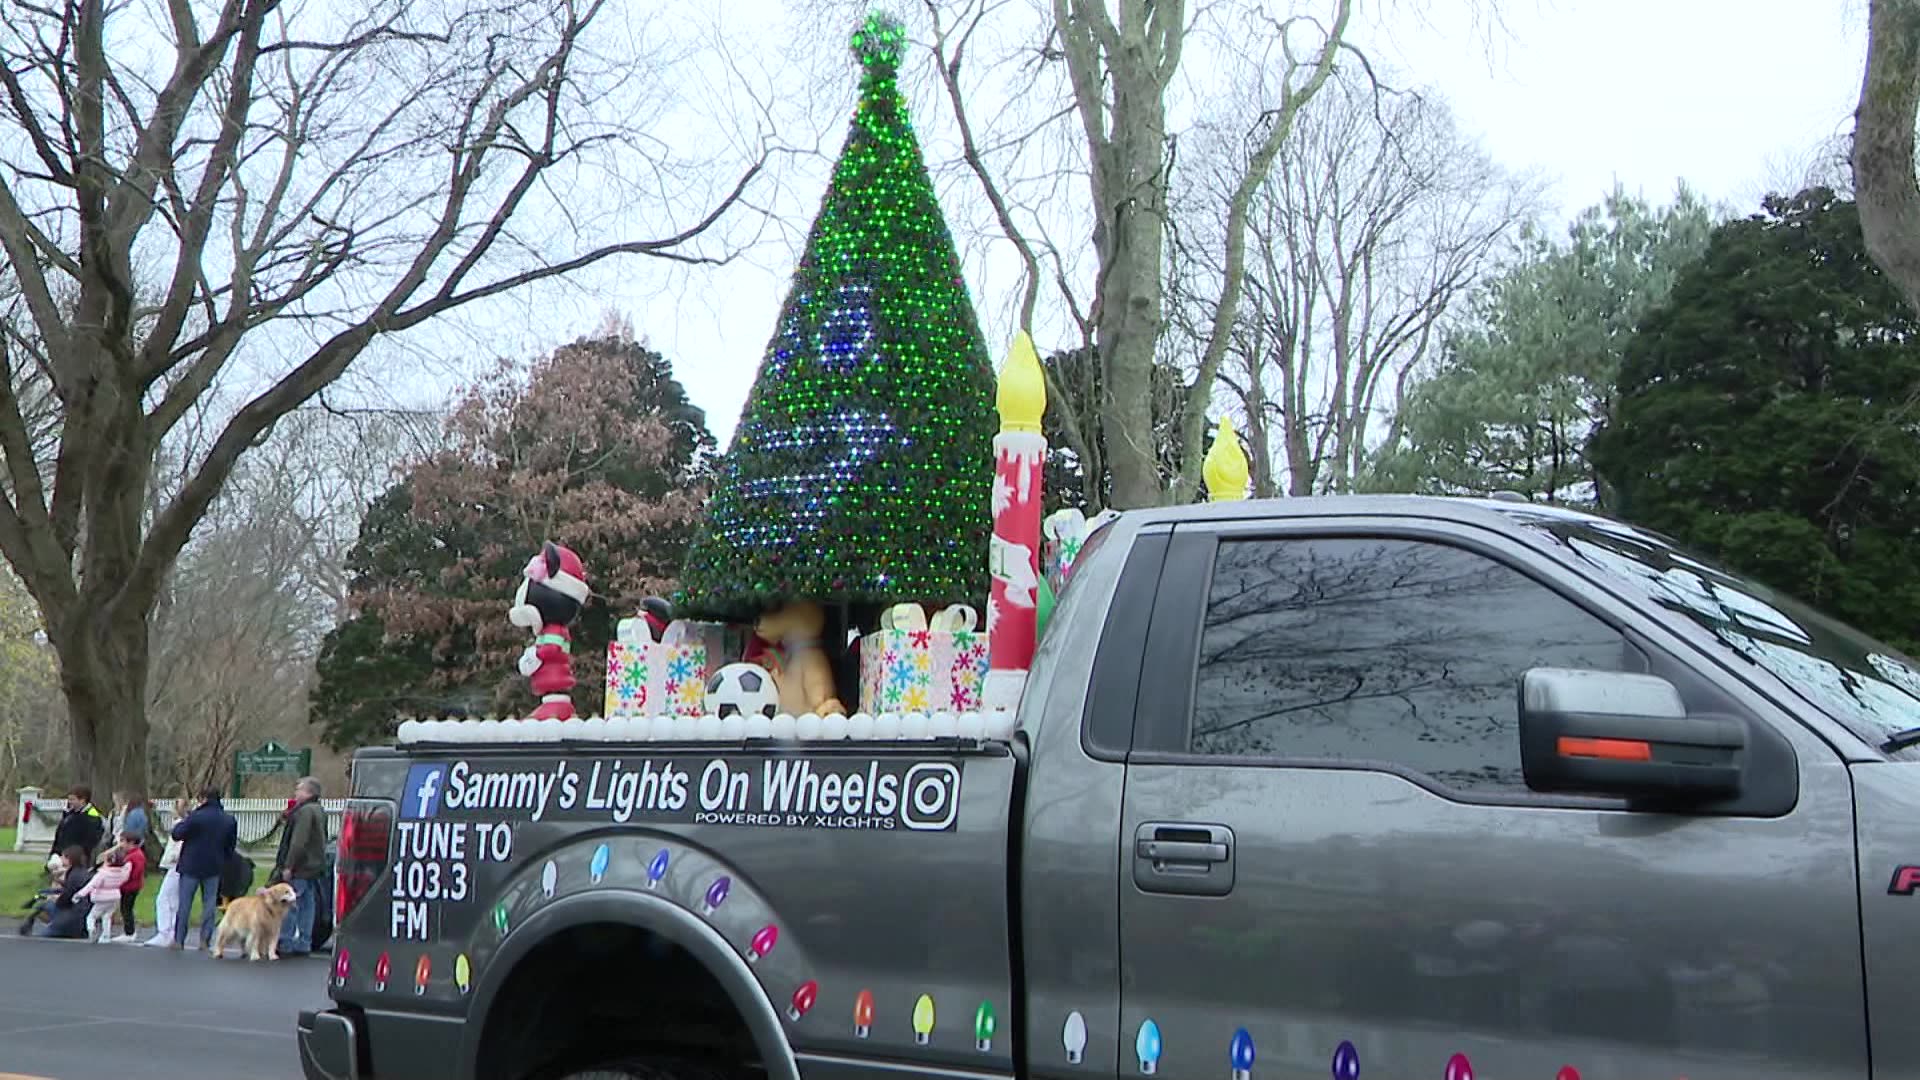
1346 1062
1073 1036
342 964
422 972
1240 1054
862 1014
803 998
716 894
1567 1072
549 874
1146 1046
500 918
764 939
984 1025
463 973
1459 1068
598 868
657 869
923 1020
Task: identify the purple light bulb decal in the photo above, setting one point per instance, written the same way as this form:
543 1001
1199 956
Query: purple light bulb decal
717 893
1346 1062
1459 1068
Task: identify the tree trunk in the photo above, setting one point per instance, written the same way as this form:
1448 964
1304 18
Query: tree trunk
103 673
1883 143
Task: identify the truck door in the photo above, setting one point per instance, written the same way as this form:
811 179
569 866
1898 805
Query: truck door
1333 866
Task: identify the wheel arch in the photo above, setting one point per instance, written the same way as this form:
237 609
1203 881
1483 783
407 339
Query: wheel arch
642 912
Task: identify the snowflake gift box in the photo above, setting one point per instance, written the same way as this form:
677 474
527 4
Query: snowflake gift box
665 677
909 665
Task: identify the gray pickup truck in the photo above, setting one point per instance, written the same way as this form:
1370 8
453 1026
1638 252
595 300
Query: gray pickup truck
1387 788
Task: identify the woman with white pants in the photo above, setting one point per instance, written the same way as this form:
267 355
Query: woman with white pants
166 904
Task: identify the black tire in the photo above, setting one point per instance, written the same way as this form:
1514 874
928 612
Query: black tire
657 1069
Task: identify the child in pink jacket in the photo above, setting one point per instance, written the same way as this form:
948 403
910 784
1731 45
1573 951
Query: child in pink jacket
104 891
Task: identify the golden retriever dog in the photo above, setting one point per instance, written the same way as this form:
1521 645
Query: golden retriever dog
255 921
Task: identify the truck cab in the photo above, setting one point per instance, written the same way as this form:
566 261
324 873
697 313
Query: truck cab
1350 787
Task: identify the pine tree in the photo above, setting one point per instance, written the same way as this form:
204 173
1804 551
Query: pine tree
862 468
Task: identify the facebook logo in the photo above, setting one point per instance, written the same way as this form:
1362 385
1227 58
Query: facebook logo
421 797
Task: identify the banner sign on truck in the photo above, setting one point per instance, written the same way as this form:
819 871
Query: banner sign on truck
754 791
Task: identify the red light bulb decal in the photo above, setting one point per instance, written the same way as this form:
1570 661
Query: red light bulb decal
862 1014
1567 1072
342 964
1459 1068
422 972
803 999
381 968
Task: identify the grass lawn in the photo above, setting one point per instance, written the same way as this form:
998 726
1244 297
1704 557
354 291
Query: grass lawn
19 880
6 838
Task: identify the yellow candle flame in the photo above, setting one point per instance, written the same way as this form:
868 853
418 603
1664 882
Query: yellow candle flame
1225 469
1022 396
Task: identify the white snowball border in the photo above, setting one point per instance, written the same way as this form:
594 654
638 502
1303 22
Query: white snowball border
860 727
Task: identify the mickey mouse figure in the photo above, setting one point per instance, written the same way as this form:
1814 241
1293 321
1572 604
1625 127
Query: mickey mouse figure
552 591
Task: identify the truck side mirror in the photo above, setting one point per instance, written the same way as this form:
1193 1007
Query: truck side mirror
1627 735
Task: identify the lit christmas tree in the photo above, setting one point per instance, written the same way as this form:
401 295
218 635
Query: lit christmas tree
862 469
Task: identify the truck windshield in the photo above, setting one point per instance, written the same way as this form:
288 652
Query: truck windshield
1870 687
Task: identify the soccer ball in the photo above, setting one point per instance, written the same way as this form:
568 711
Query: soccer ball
745 689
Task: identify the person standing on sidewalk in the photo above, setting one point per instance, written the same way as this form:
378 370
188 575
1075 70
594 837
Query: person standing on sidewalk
211 837
166 903
81 826
301 861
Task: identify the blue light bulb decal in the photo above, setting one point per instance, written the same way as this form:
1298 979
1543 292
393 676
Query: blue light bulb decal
1346 1062
657 869
1240 1055
1146 1047
598 868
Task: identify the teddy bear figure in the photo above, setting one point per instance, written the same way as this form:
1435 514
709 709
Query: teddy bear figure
803 674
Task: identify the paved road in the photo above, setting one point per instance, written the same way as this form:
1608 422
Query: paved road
149 1014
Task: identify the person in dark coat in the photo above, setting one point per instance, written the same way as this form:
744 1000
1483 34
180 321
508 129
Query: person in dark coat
209 838
65 916
301 863
81 826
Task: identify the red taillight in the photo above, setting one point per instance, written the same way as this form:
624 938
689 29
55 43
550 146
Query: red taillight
364 832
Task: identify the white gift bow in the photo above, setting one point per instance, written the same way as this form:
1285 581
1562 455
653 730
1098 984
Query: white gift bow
910 617
678 632
633 633
955 619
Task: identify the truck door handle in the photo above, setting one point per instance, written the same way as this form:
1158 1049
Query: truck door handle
1183 858
1182 851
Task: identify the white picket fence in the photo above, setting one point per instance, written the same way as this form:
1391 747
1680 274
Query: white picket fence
38 814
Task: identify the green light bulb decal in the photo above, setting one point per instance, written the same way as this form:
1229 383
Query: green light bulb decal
983 1026
500 918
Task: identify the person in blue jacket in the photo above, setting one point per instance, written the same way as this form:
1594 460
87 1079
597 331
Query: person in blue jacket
209 837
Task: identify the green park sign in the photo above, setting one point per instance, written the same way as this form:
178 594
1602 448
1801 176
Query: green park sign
271 759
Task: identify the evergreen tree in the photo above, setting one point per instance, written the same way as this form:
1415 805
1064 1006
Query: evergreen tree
1529 373
862 468
1764 415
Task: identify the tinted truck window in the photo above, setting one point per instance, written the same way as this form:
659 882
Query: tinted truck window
1380 650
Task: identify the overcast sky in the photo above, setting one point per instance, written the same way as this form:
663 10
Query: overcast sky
1732 95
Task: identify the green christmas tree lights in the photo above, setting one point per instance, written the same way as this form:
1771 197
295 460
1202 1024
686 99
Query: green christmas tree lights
862 468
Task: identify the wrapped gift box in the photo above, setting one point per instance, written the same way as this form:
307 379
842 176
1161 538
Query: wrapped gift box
649 678
918 669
